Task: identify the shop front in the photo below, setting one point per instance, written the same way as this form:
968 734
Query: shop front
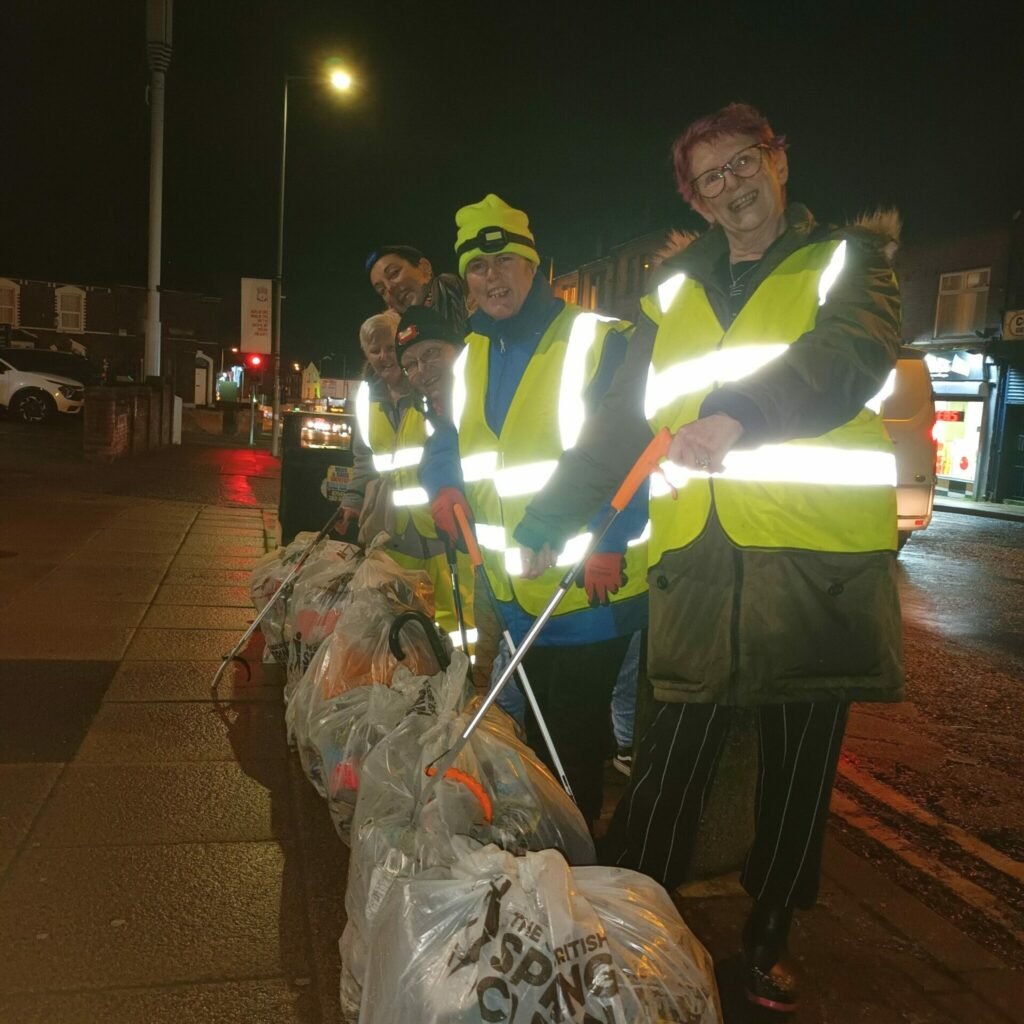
1009 454
965 384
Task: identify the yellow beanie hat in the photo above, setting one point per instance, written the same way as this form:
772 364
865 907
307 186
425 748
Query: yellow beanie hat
492 226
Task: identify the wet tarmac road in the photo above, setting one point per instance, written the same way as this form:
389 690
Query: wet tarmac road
931 787
962 579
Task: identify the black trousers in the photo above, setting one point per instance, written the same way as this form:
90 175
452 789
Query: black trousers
655 824
573 686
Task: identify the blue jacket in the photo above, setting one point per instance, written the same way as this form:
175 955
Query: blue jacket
513 343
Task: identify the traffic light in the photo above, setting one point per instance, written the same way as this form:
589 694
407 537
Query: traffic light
253 361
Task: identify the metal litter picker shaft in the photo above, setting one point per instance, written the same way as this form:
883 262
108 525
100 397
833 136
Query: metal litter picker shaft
453 575
234 655
481 577
644 466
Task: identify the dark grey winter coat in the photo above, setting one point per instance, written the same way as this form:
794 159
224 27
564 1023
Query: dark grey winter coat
748 626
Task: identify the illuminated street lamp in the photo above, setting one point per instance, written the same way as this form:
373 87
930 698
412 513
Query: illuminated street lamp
341 81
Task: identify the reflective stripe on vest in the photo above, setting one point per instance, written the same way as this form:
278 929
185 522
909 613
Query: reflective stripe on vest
830 493
493 538
529 478
669 289
502 472
409 497
386 458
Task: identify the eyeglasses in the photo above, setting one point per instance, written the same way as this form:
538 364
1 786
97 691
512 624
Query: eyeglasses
744 164
411 365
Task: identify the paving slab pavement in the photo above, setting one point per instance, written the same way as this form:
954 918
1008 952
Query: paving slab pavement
162 857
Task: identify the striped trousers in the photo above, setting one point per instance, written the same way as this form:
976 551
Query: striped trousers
655 824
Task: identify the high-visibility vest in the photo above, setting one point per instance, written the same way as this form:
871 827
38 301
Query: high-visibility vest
397 454
502 472
835 492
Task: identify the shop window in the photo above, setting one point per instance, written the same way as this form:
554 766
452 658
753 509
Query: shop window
957 434
963 303
10 300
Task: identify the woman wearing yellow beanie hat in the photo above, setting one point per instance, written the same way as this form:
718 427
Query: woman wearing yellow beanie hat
492 226
532 368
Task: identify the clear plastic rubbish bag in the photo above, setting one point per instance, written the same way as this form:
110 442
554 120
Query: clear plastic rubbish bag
357 653
315 606
268 574
404 588
529 939
497 792
346 733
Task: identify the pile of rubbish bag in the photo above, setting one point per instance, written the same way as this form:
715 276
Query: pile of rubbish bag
480 903
498 792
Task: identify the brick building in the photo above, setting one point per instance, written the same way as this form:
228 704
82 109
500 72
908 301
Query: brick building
108 326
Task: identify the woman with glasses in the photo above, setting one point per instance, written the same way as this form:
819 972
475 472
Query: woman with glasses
773 527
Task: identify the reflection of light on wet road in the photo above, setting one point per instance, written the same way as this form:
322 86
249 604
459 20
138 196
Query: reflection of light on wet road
963 578
237 466
236 491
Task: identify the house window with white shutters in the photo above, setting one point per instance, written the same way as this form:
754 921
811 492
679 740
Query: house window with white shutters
963 302
10 300
70 309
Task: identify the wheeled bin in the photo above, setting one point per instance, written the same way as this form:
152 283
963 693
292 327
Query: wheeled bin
316 465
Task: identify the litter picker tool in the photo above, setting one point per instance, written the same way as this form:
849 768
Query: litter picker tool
643 468
234 654
480 575
453 575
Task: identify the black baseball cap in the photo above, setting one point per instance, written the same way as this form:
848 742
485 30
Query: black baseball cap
424 323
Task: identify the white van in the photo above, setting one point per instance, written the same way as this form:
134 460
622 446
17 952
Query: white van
908 412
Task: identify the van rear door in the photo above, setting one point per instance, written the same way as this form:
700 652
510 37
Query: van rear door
909 416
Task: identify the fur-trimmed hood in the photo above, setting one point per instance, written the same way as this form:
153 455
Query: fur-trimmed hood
882 225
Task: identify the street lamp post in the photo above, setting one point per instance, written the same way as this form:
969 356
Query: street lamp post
158 55
341 81
275 434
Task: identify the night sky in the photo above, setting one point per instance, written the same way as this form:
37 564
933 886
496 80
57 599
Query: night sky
565 110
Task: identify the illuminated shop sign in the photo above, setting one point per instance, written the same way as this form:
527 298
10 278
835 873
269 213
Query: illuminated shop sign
956 365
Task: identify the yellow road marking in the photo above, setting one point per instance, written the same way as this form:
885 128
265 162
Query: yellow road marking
899 803
969 892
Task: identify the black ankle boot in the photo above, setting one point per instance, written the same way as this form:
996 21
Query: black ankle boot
771 980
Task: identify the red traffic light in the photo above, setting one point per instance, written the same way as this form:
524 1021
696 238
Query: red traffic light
254 360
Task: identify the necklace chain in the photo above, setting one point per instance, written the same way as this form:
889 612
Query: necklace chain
736 280
737 288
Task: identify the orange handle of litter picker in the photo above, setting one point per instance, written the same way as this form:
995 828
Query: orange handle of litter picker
475 558
473 786
643 468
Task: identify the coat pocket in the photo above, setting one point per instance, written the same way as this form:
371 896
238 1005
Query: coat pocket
690 611
812 616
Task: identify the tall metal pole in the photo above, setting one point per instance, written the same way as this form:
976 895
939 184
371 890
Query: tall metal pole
158 56
275 435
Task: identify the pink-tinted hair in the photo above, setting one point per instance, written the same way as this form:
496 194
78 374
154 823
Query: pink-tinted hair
735 119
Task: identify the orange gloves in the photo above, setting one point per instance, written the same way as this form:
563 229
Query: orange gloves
603 576
442 510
